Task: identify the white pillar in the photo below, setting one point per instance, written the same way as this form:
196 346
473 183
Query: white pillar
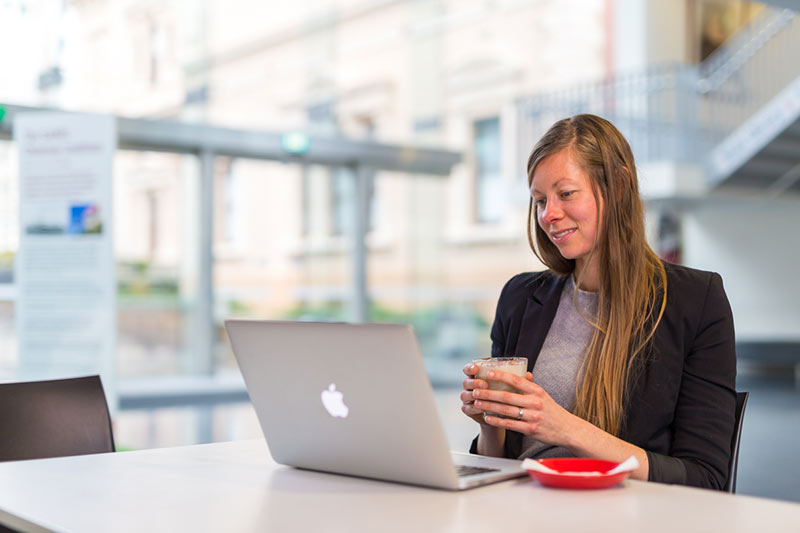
360 302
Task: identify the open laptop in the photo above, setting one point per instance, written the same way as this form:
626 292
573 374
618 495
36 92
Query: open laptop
352 399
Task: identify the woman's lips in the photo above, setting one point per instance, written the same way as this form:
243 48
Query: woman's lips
561 236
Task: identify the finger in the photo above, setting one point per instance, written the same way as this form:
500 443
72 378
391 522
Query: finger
521 426
529 376
470 369
466 397
511 411
499 396
508 378
470 384
469 410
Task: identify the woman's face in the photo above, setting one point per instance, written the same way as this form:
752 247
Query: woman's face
565 205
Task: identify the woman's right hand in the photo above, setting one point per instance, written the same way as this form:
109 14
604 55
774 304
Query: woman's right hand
467 400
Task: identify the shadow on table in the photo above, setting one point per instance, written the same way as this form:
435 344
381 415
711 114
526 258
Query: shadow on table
316 501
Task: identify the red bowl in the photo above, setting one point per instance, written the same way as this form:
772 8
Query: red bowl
576 481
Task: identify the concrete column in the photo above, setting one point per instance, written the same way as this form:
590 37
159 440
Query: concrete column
649 32
360 302
204 310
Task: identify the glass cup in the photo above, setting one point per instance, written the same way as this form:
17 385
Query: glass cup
515 365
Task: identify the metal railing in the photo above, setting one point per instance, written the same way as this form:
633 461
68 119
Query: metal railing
654 109
679 112
732 56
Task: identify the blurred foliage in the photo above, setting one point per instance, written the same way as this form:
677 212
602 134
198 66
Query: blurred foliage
329 312
6 259
236 307
443 331
138 280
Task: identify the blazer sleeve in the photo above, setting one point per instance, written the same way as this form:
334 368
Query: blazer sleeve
510 297
705 411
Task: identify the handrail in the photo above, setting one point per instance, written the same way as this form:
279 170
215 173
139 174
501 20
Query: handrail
729 58
655 109
680 112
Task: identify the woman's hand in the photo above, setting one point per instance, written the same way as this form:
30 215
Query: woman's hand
467 399
471 384
531 411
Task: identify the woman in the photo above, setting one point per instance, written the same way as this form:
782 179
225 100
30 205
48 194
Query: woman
627 355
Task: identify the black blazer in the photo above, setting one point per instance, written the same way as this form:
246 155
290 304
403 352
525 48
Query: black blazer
680 402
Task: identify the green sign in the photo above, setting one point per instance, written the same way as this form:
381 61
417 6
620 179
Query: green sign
2 113
295 143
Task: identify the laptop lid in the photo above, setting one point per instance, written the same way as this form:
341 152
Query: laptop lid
345 398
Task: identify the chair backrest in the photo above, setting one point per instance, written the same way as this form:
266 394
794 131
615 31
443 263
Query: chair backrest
733 465
54 418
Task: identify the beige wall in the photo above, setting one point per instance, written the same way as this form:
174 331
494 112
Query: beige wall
753 242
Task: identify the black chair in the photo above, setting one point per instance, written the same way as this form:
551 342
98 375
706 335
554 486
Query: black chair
733 465
55 418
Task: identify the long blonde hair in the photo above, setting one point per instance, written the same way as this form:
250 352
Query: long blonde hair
633 281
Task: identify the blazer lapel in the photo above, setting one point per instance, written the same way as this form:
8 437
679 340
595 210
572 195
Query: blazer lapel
540 310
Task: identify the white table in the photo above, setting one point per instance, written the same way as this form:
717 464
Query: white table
235 486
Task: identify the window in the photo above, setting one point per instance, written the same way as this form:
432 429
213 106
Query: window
306 202
157 41
719 20
489 193
342 198
232 214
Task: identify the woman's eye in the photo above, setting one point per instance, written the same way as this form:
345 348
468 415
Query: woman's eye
540 202
567 194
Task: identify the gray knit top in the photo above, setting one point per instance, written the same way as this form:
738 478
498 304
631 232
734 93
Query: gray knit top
559 362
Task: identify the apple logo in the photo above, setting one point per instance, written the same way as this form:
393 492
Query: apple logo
333 402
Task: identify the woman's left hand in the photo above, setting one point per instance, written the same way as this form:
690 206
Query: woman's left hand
531 411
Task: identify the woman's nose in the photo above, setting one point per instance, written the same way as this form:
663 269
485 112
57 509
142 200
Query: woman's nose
551 213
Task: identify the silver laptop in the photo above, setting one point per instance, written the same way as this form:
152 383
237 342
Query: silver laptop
352 399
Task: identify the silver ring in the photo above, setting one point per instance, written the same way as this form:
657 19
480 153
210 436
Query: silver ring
519 417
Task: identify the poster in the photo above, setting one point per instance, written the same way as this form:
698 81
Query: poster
64 268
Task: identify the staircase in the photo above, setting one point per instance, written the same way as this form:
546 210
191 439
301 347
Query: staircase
736 115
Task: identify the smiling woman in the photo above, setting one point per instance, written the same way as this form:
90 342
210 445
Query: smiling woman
627 355
567 211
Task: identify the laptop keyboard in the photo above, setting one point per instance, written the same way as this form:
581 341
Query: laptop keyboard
464 470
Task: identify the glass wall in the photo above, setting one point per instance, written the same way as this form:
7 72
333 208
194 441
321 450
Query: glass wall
9 227
151 193
152 247
283 250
